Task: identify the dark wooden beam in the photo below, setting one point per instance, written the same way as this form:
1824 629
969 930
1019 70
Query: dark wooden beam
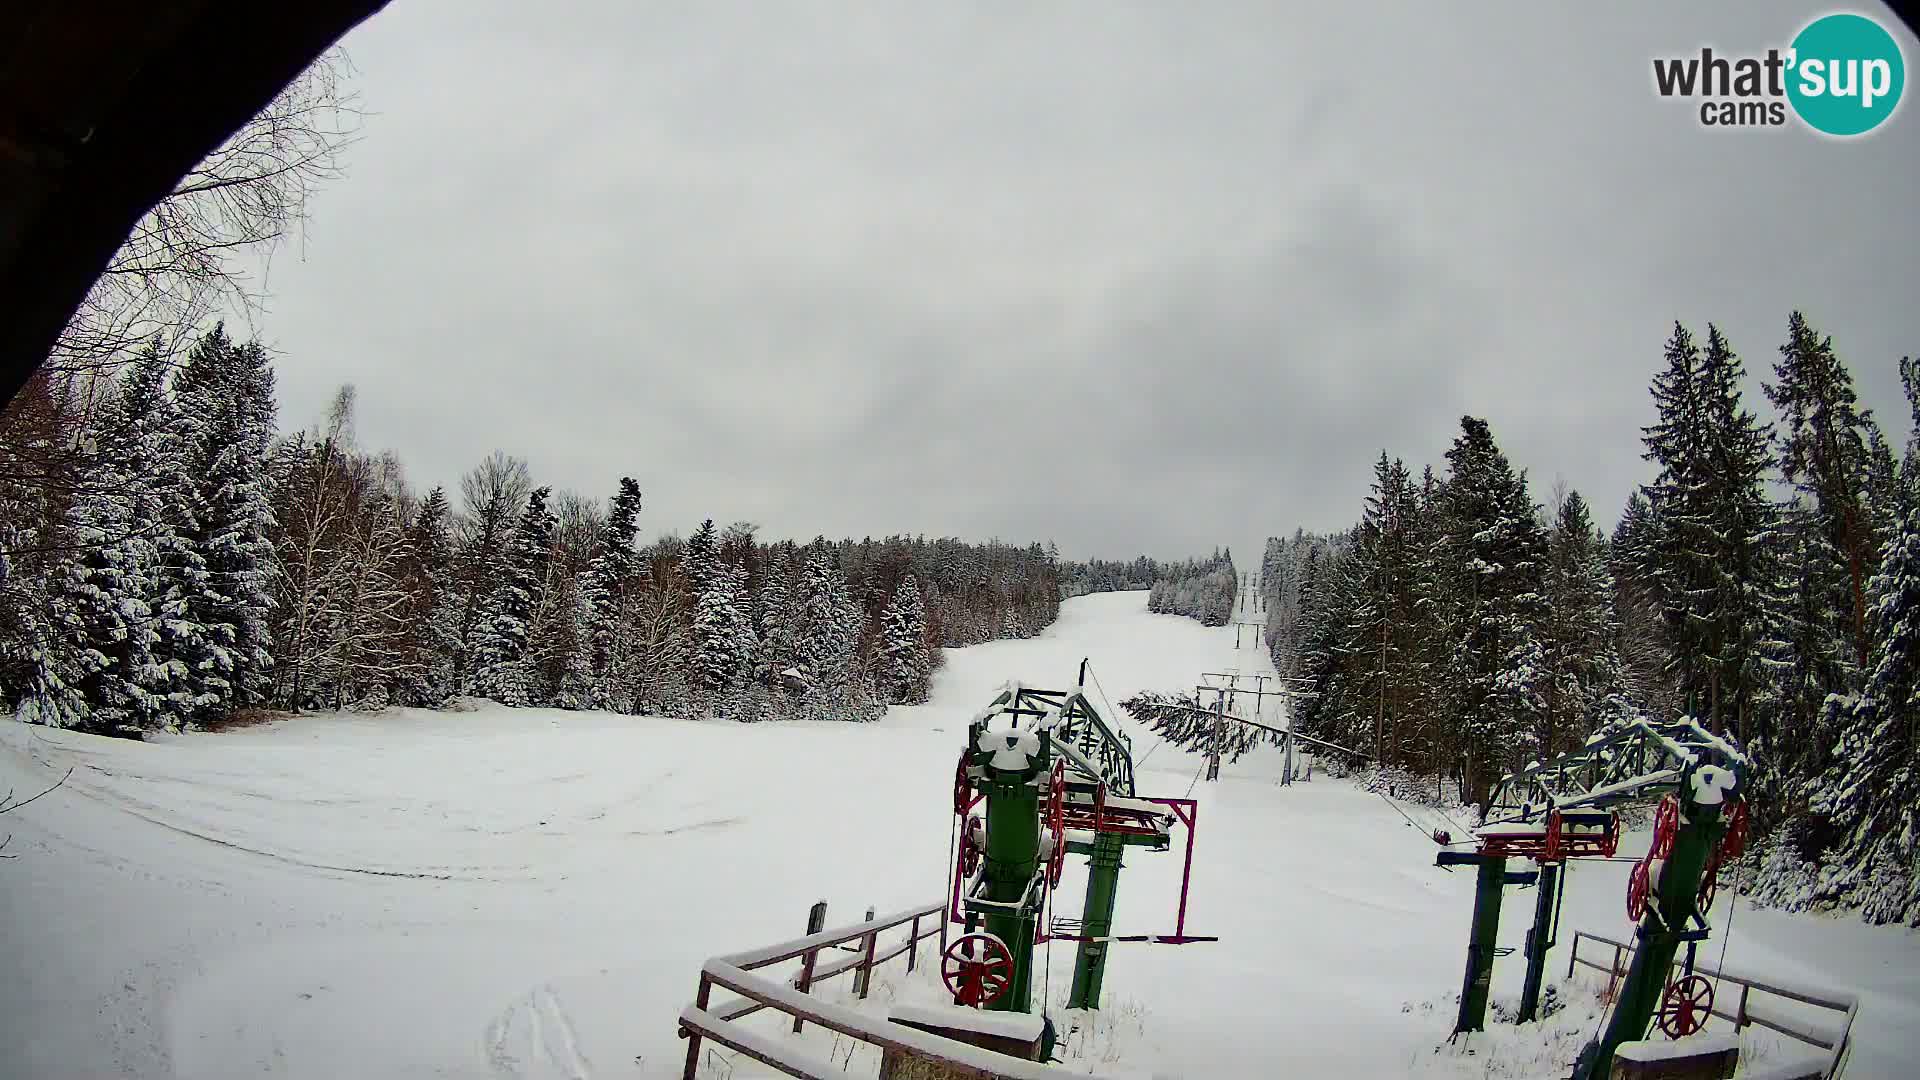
104 106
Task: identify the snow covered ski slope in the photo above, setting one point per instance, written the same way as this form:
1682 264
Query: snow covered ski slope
501 893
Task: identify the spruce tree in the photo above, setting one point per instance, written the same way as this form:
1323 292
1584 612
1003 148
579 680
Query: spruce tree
1825 456
226 392
717 616
433 612
1867 795
1582 666
1643 642
776 617
905 662
1501 550
605 593
104 594
1711 522
180 679
504 673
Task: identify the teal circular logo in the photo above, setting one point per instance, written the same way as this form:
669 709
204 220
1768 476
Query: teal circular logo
1846 74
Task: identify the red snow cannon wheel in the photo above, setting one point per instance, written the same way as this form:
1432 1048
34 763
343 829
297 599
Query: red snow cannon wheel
962 788
1684 1007
977 968
1057 823
1666 823
1734 843
1638 885
1709 881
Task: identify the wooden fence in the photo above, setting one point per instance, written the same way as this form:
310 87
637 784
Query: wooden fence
1834 1039
822 956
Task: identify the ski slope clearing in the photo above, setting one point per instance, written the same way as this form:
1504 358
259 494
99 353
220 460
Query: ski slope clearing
508 893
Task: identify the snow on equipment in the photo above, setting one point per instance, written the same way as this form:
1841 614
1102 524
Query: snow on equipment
1562 809
1055 780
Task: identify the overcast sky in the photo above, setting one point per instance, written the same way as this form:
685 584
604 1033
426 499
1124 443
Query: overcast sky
1132 277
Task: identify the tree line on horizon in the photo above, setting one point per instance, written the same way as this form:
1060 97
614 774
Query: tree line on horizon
168 559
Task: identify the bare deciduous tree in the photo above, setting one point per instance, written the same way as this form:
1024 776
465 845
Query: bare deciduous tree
188 255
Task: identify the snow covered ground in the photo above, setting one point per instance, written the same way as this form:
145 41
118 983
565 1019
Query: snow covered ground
531 893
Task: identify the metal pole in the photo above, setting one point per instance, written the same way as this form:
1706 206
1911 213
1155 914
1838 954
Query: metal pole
1012 858
1486 929
1672 903
1539 940
1213 755
1286 775
1096 921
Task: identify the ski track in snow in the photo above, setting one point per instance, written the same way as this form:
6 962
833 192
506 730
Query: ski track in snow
539 1026
526 893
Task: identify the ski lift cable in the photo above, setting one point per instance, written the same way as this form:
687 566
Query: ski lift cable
1417 825
1115 713
1726 934
1196 780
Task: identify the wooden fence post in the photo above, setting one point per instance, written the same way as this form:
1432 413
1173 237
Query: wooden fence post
913 944
693 1037
816 922
864 977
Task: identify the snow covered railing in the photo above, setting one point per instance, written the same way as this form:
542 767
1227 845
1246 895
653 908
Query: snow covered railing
740 973
1834 1037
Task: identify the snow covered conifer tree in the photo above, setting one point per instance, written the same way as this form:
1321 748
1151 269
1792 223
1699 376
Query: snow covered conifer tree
905 663
1868 793
746 639
1582 665
226 394
776 617
719 612
1498 536
504 673
605 592
180 677
825 636
701 558
1824 455
105 595
433 614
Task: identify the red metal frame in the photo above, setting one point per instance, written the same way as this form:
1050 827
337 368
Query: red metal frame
1554 845
1187 811
959 879
1103 819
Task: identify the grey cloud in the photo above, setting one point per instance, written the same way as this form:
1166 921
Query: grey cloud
1133 277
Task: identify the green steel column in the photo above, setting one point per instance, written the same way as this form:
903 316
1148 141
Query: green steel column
1096 921
1486 930
1012 856
1668 908
1539 940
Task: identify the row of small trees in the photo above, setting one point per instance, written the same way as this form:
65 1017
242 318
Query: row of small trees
1765 583
1200 589
167 559
1103 575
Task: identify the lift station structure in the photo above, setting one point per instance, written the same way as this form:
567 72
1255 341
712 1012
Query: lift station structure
1566 808
1043 776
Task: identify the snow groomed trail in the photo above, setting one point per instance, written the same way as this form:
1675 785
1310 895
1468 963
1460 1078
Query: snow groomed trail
530 893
